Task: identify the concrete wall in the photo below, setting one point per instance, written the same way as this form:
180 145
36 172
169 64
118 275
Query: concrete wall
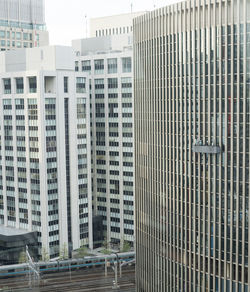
109 22
43 58
102 44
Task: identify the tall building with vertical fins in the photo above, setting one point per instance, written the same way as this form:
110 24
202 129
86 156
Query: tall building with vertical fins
22 24
192 128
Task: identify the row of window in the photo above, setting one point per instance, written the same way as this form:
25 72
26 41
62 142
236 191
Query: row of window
111 65
14 44
114 30
7 86
17 35
22 25
126 82
49 85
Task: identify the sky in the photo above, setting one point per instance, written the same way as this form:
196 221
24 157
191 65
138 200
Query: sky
66 19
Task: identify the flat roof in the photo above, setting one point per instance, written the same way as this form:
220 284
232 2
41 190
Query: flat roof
10 231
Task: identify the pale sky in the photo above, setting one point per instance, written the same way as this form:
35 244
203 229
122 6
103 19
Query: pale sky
66 20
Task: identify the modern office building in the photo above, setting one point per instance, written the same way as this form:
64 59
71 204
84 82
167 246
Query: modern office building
113 25
108 63
45 161
22 24
192 128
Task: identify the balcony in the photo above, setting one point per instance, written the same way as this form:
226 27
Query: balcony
49 85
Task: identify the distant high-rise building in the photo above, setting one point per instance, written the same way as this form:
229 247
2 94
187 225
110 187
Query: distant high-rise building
107 61
45 161
22 24
192 131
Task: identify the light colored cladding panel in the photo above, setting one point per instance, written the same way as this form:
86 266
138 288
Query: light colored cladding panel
208 120
13 7
23 10
4 9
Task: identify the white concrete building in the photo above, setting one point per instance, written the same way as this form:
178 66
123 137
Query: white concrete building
22 24
45 169
60 108
108 63
113 25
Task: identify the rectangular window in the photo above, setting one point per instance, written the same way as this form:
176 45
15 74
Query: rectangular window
2 34
99 83
126 82
7 85
99 66
100 110
126 65
112 83
65 84
32 84
18 35
76 66
80 84
20 105
81 108
86 66
113 110
25 36
113 95
112 65
19 85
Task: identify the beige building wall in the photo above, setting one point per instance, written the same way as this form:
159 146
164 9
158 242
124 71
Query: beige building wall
113 25
192 129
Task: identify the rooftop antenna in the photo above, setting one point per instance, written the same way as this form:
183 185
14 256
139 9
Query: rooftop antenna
131 7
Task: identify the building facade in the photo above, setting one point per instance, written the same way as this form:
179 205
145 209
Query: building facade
192 128
45 160
110 73
22 24
113 25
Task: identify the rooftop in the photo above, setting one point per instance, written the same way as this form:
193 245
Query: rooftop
48 58
10 231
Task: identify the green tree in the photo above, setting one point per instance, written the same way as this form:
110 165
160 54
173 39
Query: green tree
45 255
22 257
105 243
105 246
82 251
126 246
106 251
64 252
